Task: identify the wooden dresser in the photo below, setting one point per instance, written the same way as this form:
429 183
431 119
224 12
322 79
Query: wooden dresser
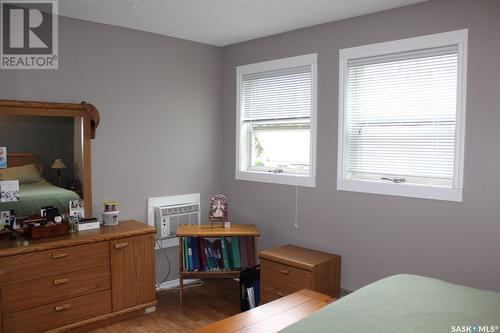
75 281
287 269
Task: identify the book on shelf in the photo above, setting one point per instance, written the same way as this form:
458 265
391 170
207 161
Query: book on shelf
235 253
208 255
225 254
243 251
185 254
203 257
196 254
190 255
184 257
212 254
218 250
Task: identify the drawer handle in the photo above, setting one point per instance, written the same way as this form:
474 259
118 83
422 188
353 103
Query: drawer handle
58 282
280 294
59 255
63 307
283 271
121 245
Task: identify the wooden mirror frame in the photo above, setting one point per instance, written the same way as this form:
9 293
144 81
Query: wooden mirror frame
86 111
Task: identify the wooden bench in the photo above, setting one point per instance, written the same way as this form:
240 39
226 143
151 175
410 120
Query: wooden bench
273 316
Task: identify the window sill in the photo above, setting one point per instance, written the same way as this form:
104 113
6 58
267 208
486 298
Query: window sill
275 178
402 190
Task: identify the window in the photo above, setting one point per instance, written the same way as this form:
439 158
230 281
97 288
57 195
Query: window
401 117
276 127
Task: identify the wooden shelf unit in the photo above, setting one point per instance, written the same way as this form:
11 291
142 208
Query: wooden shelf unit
209 231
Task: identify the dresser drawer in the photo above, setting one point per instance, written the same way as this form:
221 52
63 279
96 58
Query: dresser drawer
34 265
279 280
53 288
58 314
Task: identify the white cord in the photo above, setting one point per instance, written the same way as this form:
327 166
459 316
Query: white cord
158 285
296 222
187 286
168 262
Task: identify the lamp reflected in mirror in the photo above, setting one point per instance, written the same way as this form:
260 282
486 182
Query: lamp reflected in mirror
58 164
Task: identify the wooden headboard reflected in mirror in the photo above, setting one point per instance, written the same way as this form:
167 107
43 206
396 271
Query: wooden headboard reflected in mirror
20 159
85 120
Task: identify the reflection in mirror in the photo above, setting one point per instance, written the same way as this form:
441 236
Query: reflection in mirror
44 155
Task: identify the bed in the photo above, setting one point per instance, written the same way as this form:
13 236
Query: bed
407 304
37 193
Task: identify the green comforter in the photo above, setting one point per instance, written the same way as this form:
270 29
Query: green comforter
33 196
407 303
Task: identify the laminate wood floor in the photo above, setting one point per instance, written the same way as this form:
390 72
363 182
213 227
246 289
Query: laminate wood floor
214 301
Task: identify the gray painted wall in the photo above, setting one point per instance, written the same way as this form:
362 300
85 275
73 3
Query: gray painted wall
498 125
47 138
158 99
382 235
162 124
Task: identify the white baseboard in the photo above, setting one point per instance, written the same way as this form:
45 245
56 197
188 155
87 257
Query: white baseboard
175 283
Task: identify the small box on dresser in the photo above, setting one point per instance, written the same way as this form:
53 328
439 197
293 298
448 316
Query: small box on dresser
287 269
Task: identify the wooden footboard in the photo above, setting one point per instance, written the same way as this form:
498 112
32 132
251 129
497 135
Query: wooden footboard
273 316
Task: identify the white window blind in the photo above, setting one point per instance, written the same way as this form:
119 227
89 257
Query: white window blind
281 94
401 117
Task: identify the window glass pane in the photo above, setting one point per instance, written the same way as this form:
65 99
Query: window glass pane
276 102
401 119
280 146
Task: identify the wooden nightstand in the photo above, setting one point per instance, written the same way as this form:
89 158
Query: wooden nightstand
287 269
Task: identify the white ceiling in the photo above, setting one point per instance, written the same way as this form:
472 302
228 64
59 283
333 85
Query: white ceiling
221 22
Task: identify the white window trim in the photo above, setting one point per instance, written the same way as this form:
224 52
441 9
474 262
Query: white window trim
268 177
459 38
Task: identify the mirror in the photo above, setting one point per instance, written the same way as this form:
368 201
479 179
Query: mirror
45 155
53 145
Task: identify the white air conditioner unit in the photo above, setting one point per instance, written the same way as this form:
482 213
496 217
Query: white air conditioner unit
168 218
